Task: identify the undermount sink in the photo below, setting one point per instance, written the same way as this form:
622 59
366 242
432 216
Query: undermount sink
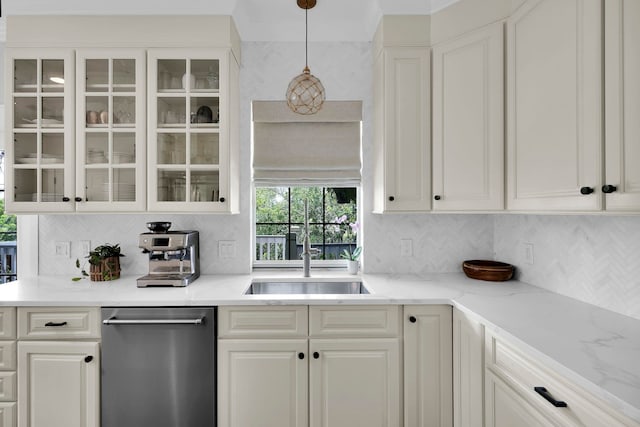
306 288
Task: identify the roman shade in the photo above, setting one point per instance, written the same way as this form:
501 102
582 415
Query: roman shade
322 149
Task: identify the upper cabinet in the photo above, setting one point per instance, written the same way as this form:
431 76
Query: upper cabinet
402 133
554 106
468 122
622 105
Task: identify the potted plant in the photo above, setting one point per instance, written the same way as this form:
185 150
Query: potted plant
104 263
352 256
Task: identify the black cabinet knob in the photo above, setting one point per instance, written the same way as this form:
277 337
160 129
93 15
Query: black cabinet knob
391 198
300 356
609 188
316 355
78 199
221 199
412 319
88 359
436 197
66 199
586 190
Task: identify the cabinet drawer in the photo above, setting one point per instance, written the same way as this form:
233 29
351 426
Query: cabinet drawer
7 323
262 322
7 386
7 355
524 374
58 323
7 414
354 321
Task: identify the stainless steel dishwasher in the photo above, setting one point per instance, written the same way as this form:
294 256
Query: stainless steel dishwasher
158 367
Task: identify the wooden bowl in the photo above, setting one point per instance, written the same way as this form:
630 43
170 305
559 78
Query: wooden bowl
492 271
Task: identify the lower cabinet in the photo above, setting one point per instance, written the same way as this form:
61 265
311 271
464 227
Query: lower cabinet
468 371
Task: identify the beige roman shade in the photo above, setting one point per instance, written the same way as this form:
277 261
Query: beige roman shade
322 149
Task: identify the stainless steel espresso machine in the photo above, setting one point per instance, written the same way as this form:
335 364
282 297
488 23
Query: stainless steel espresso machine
174 256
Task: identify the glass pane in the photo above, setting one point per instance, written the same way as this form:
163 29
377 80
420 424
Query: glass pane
171 186
52 112
52 148
172 149
170 74
53 75
25 147
25 75
124 75
204 111
171 112
97 75
205 186
52 185
124 110
314 196
207 74
26 185
272 204
124 148
25 112
97 111
124 185
97 148
205 148
97 185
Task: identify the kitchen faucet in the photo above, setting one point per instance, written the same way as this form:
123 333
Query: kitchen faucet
306 249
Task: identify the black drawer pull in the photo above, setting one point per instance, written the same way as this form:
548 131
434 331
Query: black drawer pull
55 324
544 393
300 356
413 319
316 355
586 190
88 359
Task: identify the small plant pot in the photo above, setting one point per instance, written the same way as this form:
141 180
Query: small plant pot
352 267
108 269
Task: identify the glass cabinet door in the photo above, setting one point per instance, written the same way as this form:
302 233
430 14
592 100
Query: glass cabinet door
110 120
185 161
40 158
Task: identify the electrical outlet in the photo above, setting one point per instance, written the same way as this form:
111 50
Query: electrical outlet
528 253
227 248
84 247
406 247
63 249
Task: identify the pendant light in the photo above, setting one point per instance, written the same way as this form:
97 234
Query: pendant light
305 94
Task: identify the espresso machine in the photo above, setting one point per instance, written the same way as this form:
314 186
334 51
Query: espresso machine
174 256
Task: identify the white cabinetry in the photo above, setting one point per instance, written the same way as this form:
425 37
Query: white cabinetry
58 379
622 105
402 132
427 366
344 371
554 106
468 371
468 121
8 387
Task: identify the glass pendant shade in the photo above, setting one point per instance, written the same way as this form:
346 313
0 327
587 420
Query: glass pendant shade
305 94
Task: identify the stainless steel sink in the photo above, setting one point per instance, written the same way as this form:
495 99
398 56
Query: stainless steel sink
306 288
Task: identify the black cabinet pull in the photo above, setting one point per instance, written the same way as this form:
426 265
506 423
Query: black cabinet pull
544 393
586 190
609 188
78 199
88 359
391 198
221 199
436 197
66 199
300 356
412 319
55 324
316 355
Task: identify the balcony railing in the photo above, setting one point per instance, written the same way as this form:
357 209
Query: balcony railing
8 257
279 248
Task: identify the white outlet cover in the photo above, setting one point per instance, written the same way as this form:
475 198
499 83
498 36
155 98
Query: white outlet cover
63 249
406 247
227 248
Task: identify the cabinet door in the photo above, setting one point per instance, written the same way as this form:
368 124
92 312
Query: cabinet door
468 371
622 104
468 122
403 154
263 383
354 382
506 408
427 366
111 128
554 106
189 118
40 173
58 384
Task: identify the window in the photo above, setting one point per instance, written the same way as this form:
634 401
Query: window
8 230
279 223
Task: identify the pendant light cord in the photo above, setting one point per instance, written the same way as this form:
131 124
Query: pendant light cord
306 34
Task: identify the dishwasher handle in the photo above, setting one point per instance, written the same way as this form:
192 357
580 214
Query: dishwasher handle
114 321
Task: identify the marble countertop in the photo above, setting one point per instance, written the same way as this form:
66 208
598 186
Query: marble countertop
596 348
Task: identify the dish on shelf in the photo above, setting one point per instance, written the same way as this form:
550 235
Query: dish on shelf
492 271
43 121
32 158
47 197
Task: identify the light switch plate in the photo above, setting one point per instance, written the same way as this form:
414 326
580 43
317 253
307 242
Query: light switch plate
528 253
227 248
63 249
406 247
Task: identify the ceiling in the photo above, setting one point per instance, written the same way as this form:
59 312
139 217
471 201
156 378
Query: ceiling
257 20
